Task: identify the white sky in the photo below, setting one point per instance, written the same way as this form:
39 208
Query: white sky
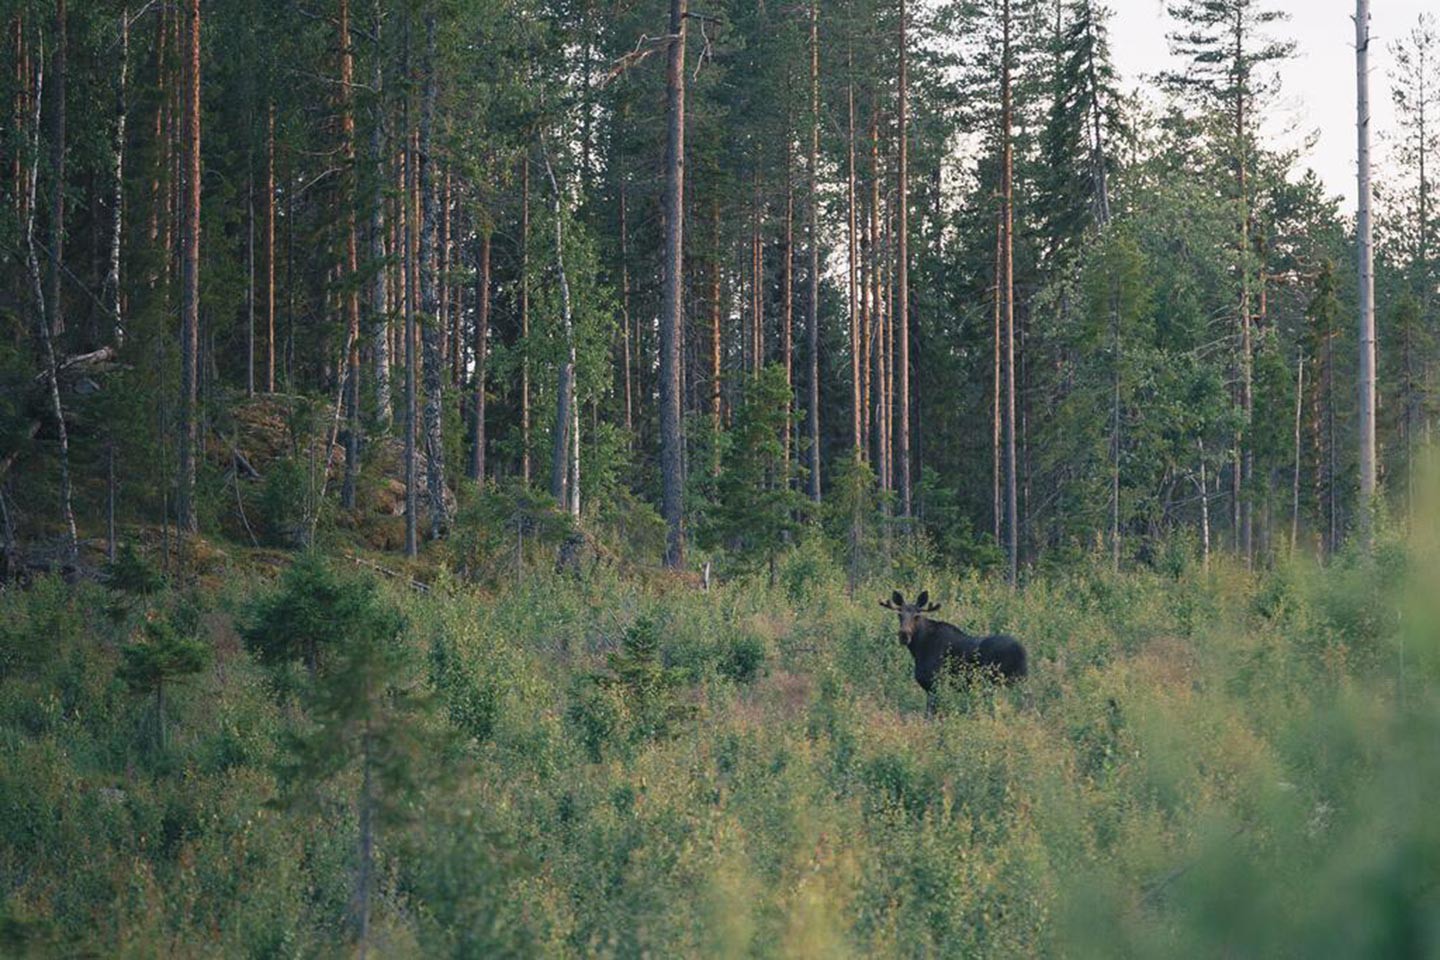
1317 87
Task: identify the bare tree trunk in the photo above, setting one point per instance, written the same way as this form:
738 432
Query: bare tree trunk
564 473
250 283
270 251
997 513
902 266
672 306
450 339
716 334
482 338
626 360
525 318
1295 484
856 323
57 171
813 317
1204 508
190 271
1367 273
1012 531
406 264
117 213
787 315
379 292
42 320
352 263
1115 432
429 283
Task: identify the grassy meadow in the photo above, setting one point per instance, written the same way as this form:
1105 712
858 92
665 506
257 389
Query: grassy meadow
1202 763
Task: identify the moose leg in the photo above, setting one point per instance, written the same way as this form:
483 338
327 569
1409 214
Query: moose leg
929 703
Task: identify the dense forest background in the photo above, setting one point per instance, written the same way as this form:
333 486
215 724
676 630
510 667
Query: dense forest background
450 451
978 266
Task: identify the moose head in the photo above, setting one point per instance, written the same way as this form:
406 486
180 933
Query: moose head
911 614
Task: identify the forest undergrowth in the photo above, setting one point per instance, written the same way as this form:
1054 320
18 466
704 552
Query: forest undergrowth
1202 762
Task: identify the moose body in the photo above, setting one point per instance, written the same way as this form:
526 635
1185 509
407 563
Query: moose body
941 648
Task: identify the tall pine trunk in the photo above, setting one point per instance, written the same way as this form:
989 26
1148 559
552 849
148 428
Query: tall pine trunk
352 263
672 307
57 170
1012 533
812 331
270 250
379 287
429 292
902 269
482 338
190 276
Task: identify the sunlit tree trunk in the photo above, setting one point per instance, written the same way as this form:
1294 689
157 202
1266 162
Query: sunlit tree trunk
1367 272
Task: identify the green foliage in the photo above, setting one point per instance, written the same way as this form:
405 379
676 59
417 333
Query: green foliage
506 530
639 699
1201 761
313 609
165 653
758 502
133 573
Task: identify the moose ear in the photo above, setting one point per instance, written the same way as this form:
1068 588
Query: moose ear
923 599
897 598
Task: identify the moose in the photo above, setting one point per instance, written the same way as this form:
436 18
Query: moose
943 648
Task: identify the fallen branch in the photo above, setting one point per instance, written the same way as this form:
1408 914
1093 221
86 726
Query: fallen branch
395 574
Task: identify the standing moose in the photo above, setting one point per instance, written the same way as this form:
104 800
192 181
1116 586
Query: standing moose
940 647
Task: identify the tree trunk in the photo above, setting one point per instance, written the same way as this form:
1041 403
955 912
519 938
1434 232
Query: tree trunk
1012 532
482 338
352 263
406 262
1295 483
902 267
525 318
626 360
996 428
564 473
1367 273
812 331
190 276
57 171
270 251
42 320
787 315
672 307
716 334
429 291
1204 508
857 401
379 292
117 213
